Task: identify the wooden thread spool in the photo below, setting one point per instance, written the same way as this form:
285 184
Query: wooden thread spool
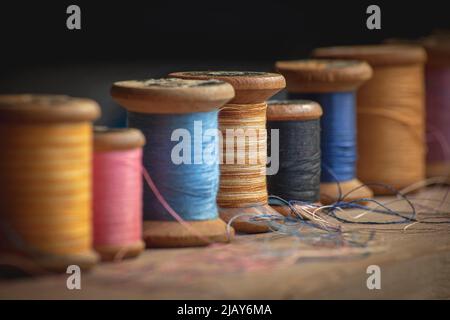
437 76
118 192
391 119
320 80
298 177
437 80
168 101
243 188
45 179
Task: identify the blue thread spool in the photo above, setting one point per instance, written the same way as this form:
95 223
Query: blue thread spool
298 177
178 119
332 83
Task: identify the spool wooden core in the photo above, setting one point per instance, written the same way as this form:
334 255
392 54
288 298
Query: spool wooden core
176 96
328 76
241 194
390 113
45 179
109 140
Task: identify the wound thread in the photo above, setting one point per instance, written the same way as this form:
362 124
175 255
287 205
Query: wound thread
242 173
338 134
117 198
438 115
298 177
189 188
392 111
45 173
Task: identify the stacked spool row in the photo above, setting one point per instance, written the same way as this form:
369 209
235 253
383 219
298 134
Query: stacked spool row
46 173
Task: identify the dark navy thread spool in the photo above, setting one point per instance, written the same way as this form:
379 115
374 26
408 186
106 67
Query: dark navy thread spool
159 107
298 177
332 83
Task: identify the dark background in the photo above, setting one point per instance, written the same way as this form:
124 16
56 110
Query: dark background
137 39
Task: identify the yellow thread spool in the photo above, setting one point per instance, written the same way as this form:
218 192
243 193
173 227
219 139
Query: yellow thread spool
45 179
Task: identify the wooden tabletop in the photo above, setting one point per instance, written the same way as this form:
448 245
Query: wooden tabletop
414 263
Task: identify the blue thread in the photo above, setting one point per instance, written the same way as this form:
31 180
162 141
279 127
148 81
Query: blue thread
190 189
338 136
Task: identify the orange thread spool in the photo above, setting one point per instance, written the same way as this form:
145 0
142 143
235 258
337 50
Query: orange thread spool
45 179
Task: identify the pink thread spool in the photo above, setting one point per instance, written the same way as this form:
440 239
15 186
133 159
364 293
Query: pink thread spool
118 193
437 78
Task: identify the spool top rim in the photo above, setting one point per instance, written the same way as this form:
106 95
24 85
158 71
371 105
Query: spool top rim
438 49
44 108
110 139
376 54
291 110
167 95
324 75
251 87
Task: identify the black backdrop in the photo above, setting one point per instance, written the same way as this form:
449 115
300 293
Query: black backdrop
135 39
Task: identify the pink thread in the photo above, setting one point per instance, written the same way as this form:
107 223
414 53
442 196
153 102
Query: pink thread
438 113
117 185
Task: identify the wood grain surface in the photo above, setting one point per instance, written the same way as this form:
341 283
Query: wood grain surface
415 263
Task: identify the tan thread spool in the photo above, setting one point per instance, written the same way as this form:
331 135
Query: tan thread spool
243 188
391 116
323 77
45 179
437 70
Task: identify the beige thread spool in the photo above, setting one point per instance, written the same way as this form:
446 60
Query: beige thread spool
391 117
243 188
45 179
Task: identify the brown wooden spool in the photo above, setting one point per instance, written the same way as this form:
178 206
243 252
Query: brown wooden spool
252 89
292 110
394 99
112 139
117 139
176 96
45 170
323 76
